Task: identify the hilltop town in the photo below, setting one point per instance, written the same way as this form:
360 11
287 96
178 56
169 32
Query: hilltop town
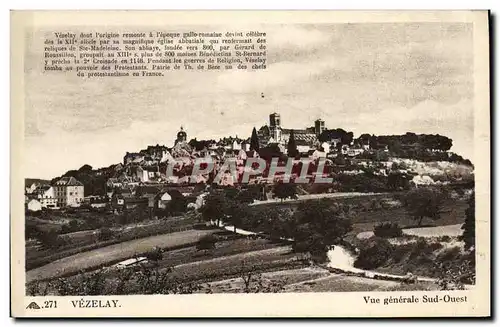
146 171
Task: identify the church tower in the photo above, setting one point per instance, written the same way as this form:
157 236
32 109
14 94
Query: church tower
319 126
181 136
275 126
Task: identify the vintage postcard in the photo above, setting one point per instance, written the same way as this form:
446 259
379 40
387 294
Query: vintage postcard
250 164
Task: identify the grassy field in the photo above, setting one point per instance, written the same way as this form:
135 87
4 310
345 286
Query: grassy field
345 198
234 255
232 265
88 240
312 279
296 276
283 277
341 283
109 254
340 196
366 219
223 248
453 213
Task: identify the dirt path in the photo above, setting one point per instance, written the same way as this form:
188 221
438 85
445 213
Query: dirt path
445 230
315 197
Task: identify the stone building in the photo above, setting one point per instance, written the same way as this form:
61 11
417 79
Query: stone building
69 192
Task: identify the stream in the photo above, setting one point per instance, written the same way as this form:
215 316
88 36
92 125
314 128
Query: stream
338 258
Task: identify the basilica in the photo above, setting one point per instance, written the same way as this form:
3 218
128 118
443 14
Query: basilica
274 133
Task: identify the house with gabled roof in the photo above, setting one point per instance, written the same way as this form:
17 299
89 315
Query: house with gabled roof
69 192
46 195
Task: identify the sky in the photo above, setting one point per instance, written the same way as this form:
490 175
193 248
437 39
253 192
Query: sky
381 79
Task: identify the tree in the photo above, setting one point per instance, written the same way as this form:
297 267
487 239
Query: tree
388 230
285 190
271 151
424 202
469 226
277 223
317 225
251 193
364 139
254 283
31 230
85 169
292 146
254 141
340 160
235 213
339 133
214 207
179 203
397 180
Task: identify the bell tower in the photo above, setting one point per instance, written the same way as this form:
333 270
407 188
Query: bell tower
275 126
181 136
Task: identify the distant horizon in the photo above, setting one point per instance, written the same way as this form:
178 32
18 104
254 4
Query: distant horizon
211 138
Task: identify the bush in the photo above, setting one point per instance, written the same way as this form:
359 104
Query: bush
70 227
50 239
105 234
444 238
376 254
388 230
421 249
156 254
206 242
450 254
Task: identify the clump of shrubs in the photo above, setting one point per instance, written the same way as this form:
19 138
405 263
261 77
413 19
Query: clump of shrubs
206 242
70 227
105 234
156 254
444 238
388 230
375 254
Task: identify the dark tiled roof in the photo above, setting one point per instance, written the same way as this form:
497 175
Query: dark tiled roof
302 142
68 181
147 189
135 200
264 130
42 188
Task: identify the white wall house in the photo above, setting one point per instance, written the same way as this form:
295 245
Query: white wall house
326 147
69 192
47 198
236 145
163 200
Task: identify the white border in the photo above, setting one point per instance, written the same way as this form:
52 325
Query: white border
126 4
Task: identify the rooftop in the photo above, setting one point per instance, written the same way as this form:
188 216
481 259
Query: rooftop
68 181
